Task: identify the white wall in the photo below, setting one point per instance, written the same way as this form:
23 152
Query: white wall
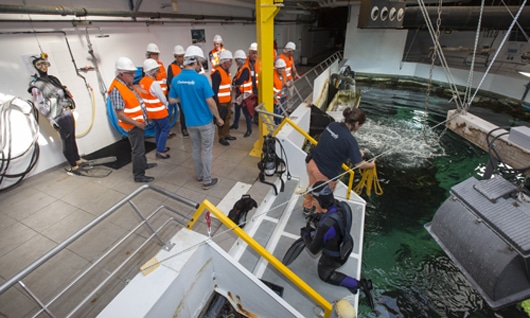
381 51
125 39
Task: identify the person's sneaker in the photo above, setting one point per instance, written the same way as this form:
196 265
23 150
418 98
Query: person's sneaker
198 179
72 172
307 212
212 183
151 165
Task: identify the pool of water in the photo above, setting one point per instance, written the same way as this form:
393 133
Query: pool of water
412 276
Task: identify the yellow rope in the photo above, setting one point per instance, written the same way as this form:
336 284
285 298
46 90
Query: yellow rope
368 180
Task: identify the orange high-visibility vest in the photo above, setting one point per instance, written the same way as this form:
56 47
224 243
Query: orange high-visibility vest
214 58
133 108
153 105
278 86
256 71
224 94
289 60
161 78
247 85
175 70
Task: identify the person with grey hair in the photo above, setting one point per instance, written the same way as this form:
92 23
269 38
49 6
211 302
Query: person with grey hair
195 95
132 115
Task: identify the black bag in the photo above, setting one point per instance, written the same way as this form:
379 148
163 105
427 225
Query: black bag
238 214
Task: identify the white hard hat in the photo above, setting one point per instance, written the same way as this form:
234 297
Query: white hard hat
124 64
280 63
253 46
240 54
290 46
218 39
150 64
178 50
225 55
194 50
152 48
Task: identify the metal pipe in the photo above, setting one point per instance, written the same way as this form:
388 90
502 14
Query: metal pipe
84 12
466 18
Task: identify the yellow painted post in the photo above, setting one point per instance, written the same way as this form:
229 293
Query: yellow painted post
266 10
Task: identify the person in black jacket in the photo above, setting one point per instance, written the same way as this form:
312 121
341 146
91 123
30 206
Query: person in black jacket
54 101
327 238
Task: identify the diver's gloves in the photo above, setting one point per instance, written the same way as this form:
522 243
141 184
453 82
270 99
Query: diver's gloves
306 231
366 286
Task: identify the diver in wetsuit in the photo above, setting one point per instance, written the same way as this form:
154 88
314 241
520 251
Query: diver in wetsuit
327 238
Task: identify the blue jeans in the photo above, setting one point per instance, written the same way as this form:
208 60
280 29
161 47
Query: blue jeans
161 127
237 115
201 150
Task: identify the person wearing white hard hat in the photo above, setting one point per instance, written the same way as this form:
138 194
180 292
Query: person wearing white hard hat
195 95
54 101
156 106
242 83
255 69
280 86
152 52
218 47
287 56
132 115
222 89
172 71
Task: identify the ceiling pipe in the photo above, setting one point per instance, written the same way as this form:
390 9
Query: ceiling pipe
84 12
466 18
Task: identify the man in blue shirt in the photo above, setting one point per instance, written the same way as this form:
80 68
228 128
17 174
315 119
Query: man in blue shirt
195 95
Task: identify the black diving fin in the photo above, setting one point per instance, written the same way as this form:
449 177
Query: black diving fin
294 250
366 286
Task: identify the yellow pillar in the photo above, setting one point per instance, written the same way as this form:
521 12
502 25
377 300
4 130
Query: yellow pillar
266 10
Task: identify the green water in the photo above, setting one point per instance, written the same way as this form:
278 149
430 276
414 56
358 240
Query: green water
412 276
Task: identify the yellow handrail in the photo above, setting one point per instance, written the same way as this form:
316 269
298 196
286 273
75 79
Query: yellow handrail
208 206
314 142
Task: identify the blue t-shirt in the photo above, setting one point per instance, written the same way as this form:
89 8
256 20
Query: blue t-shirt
336 144
193 89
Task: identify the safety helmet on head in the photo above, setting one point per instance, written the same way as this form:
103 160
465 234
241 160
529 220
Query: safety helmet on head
240 54
253 46
225 55
124 64
217 39
280 63
149 65
178 50
290 46
152 48
194 50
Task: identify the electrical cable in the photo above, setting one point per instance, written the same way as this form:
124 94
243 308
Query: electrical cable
7 158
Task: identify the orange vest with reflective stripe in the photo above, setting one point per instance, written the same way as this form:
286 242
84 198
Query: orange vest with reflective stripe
256 71
289 60
175 70
133 108
154 106
214 58
161 78
278 86
247 85
224 94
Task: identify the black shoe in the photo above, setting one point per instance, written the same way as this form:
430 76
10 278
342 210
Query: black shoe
247 134
234 127
143 179
166 149
223 142
151 165
161 156
185 133
230 138
207 186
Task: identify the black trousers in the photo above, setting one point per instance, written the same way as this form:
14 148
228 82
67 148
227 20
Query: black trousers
67 131
137 141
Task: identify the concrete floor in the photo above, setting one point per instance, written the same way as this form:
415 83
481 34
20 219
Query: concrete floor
46 209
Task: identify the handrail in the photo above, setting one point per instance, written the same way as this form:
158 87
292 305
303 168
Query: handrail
17 278
314 142
308 290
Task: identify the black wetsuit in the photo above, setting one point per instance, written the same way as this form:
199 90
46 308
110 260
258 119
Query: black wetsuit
327 237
